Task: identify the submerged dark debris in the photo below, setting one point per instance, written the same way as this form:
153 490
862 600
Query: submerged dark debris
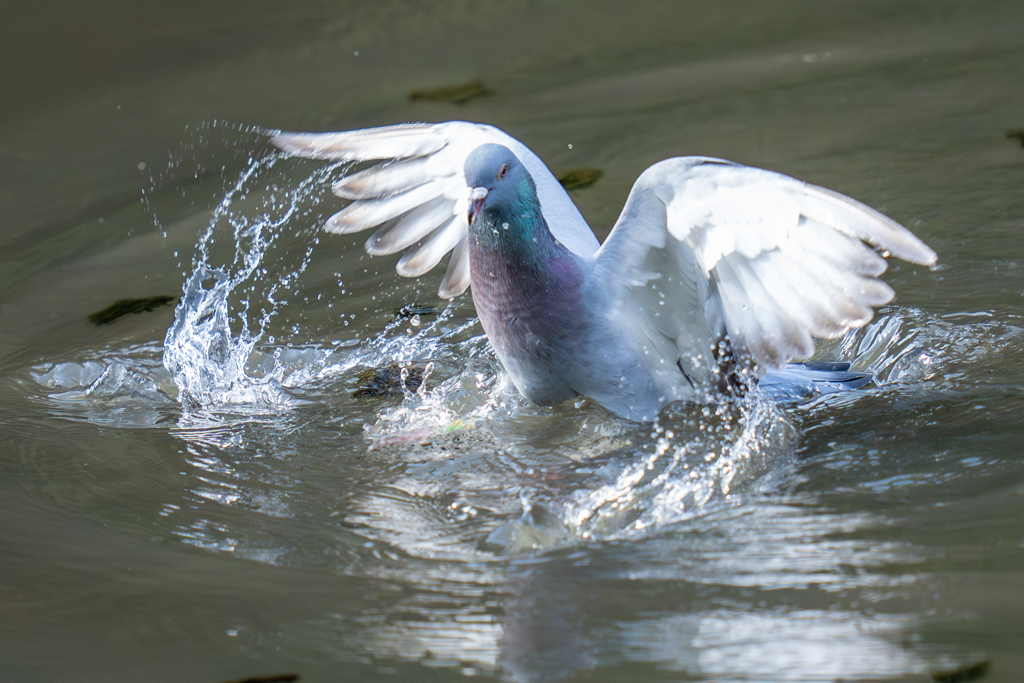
1017 135
457 94
388 381
970 672
125 306
410 310
277 678
577 178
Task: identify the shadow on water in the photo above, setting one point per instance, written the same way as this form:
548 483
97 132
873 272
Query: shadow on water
498 524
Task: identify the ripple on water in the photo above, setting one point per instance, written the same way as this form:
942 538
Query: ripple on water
476 462
486 476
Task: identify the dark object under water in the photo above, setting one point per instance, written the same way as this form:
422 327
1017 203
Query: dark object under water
411 310
123 307
578 178
277 678
458 94
388 381
970 672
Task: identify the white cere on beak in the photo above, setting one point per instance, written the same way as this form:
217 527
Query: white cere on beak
476 202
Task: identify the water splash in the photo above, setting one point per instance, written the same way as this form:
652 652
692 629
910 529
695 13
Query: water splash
128 387
226 309
694 462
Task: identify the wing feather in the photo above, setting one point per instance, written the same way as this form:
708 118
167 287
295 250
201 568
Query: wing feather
784 335
405 230
430 250
403 141
784 261
818 303
815 240
418 193
367 213
810 307
456 278
387 179
861 221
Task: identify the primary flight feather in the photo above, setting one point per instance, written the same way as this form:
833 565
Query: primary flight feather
713 272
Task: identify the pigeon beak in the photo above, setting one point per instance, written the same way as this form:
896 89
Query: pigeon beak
476 202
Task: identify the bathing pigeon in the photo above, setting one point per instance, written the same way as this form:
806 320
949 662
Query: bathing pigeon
714 273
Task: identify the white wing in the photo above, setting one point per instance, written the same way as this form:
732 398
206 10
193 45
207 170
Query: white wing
705 246
419 195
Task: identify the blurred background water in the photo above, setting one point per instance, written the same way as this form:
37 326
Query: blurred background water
238 497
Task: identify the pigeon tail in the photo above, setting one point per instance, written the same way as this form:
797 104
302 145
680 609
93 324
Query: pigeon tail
801 381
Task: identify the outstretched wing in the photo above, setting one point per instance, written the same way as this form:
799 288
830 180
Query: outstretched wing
418 195
705 247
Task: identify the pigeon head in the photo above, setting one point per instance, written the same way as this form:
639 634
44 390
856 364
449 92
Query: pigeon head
499 184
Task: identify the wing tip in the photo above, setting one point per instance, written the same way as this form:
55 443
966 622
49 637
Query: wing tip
288 143
911 250
456 279
449 290
926 257
341 224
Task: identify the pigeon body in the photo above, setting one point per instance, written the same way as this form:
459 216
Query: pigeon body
527 288
536 302
713 270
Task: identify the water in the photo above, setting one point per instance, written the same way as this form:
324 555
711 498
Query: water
202 492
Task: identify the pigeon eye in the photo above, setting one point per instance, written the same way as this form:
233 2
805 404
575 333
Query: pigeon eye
503 171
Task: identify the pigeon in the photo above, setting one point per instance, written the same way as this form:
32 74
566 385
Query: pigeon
714 275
